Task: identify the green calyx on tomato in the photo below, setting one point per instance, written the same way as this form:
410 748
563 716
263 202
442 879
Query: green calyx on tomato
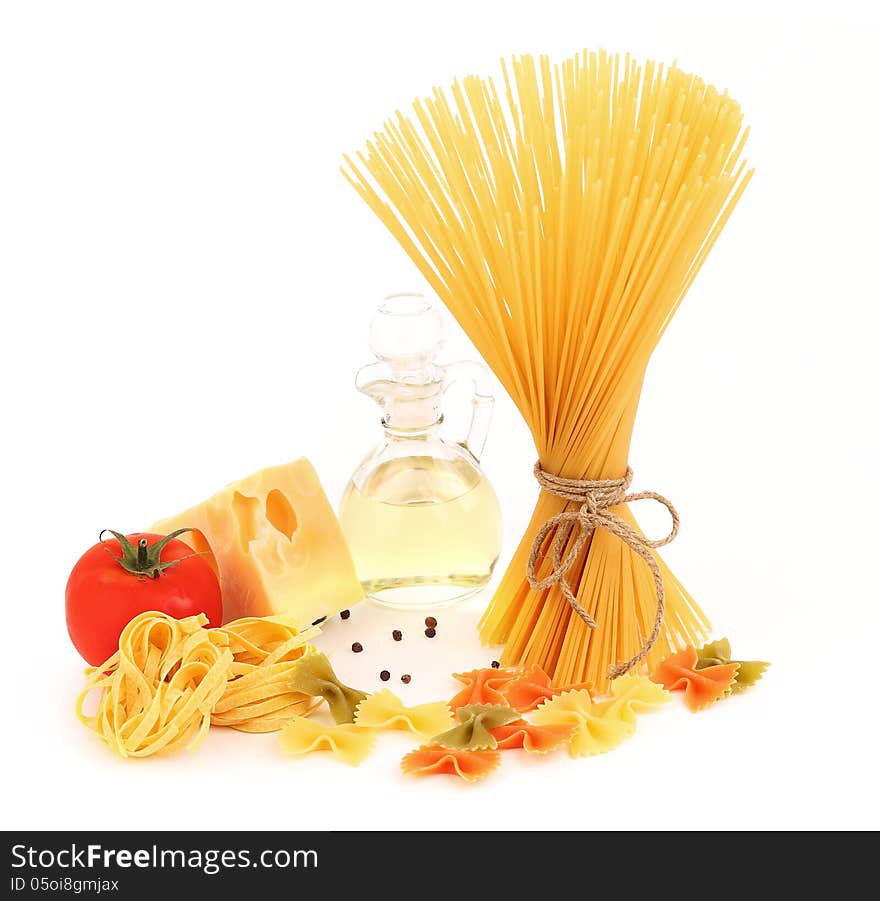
142 560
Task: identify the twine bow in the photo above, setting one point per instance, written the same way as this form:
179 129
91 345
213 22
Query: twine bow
596 499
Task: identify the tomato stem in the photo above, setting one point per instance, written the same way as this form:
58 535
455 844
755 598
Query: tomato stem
143 561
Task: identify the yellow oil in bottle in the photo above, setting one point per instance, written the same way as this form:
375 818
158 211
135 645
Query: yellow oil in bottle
424 531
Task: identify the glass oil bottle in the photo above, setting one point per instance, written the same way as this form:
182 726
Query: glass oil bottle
422 520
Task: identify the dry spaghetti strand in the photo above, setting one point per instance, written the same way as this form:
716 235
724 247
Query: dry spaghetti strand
561 215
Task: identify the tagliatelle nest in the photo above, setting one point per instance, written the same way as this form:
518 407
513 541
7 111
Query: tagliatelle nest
172 679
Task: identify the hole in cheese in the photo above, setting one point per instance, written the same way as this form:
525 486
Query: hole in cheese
244 509
197 541
280 513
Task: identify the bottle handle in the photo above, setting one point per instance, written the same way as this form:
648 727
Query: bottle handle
483 402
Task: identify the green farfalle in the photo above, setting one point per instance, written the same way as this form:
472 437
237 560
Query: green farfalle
313 676
718 653
475 722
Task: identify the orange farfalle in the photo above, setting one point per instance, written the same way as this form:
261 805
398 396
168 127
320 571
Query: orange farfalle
482 686
701 687
526 691
535 739
430 760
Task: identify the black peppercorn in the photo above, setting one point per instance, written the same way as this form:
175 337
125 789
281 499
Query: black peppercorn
495 664
406 678
397 635
430 622
344 614
357 647
430 632
384 675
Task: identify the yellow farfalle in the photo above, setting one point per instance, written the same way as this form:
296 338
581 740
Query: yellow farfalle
594 733
601 726
350 743
632 694
384 710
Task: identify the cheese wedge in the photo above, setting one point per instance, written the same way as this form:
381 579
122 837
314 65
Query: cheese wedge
276 545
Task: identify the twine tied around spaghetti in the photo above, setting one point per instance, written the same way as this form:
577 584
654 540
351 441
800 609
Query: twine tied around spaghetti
596 498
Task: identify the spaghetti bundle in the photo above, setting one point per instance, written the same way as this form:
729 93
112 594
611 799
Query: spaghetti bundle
562 217
171 679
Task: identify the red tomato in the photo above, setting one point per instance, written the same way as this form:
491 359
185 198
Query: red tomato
114 581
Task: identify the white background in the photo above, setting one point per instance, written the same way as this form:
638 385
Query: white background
186 282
